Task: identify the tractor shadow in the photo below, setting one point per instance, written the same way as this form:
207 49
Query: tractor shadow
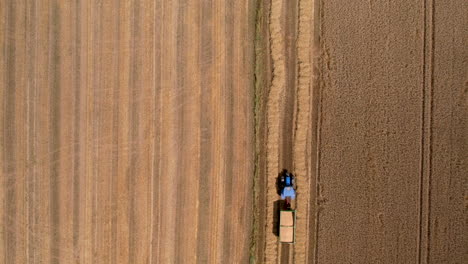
277 205
278 181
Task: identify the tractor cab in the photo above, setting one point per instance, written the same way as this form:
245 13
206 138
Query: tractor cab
287 186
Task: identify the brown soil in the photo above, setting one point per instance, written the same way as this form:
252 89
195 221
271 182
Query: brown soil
392 132
377 139
126 131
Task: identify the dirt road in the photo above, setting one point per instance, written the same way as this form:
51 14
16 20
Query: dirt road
126 131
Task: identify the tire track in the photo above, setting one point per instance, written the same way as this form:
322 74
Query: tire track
156 171
9 137
43 227
88 111
184 134
121 181
3 82
21 134
206 133
115 139
314 133
181 125
273 118
145 133
133 136
77 127
190 107
171 147
65 104
31 147
218 113
106 112
99 100
97 152
288 119
228 32
54 136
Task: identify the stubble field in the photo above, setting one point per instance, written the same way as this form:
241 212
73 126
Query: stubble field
125 127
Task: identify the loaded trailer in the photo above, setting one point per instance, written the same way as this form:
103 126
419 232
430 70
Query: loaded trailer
287 228
287 221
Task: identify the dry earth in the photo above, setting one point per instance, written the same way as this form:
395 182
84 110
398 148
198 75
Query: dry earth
126 131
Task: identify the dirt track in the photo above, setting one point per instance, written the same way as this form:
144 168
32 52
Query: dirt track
126 131
289 36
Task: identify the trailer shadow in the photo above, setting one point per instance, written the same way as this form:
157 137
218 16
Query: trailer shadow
277 205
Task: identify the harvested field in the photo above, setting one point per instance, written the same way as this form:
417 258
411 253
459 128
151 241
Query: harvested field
148 131
126 131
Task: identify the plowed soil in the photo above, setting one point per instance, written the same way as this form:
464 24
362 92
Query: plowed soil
126 131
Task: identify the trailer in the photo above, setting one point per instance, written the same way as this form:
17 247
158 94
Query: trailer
287 228
287 221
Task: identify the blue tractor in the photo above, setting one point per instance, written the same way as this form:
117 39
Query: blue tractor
287 186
